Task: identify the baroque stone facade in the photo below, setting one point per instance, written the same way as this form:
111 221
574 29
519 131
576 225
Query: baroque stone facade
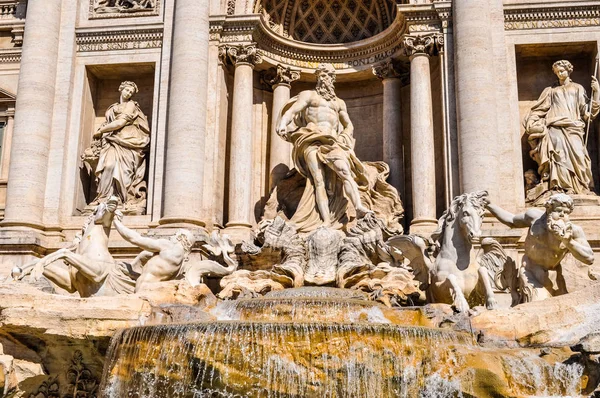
213 155
194 127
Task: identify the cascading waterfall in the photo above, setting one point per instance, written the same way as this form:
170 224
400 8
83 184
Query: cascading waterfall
282 347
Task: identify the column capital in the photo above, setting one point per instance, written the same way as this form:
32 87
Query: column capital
242 54
423 44
280 75
391 69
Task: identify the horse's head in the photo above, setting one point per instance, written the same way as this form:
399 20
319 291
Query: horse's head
467 210
105 212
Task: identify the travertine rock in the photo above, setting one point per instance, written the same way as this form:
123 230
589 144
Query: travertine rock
557 321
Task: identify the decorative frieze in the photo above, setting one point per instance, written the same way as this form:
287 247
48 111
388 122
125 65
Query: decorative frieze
551 17
123 8
119 40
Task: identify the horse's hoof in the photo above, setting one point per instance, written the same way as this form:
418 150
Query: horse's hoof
461 306
16 273
491 304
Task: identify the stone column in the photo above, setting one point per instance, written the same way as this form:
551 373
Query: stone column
475 96
7 144
33 118
186 129
418 49
393 78
244 57
280 150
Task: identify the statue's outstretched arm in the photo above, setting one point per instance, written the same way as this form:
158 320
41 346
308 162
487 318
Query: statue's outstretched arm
152 245
509 219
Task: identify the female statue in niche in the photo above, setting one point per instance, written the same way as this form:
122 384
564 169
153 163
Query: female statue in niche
118 153
555 127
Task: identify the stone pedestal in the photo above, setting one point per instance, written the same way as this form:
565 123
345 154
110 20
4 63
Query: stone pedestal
244 57
186 133
33 119
421 134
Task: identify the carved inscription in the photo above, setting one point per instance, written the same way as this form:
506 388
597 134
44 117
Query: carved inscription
127 40
560 23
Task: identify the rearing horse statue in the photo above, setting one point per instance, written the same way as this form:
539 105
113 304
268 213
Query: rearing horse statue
444 265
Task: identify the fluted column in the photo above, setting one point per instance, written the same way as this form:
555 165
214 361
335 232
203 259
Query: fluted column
392 78
421 133
186 129
475 96
33 119
280 150
7 144
244 57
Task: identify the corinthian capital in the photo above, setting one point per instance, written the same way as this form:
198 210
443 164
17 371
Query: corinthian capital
423 44
244 53
390 69
281 75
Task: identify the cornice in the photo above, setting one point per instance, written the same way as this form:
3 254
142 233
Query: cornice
572 14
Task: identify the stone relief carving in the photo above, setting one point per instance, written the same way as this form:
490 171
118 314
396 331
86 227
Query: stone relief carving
81 382
123 6
556 127
317 124
443 265
117 155
550 236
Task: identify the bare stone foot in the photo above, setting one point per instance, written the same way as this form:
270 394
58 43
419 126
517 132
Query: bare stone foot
362 211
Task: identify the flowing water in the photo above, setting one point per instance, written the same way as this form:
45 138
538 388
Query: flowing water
292 347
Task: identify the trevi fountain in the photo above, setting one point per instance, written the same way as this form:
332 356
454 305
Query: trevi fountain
299 198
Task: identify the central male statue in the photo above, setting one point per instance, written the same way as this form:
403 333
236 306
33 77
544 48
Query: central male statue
316 122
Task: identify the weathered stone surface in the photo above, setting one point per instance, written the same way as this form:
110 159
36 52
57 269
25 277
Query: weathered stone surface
177 292
557 321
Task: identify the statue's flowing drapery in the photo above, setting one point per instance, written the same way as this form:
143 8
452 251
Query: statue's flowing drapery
122 161
559 150
376 194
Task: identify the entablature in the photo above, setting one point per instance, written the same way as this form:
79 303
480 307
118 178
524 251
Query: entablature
347 58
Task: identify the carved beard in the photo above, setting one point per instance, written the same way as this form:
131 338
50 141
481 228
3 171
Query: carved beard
560 225
326 90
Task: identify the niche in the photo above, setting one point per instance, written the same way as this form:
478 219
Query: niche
116 161
534 74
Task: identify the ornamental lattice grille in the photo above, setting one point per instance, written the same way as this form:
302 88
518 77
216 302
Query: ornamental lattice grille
328 21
